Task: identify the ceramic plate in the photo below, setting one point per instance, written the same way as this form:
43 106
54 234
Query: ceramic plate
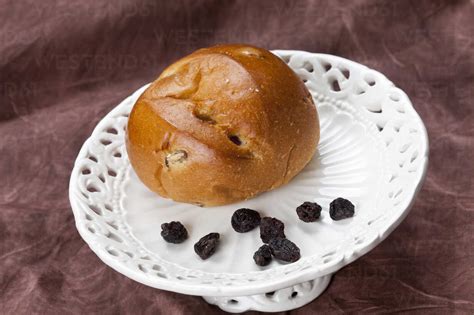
373 151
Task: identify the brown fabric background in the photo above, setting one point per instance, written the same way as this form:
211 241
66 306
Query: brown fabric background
65 64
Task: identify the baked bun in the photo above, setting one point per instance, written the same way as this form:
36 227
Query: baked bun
222 125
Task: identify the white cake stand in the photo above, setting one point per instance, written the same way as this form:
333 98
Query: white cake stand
373 151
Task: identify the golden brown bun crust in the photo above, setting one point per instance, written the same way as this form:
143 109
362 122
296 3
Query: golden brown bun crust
222 125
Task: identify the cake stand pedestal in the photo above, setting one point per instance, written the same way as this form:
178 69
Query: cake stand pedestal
278 301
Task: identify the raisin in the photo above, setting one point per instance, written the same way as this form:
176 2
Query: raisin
244 220
207 245
271 228
263 256
174 232
235 139
284 249
309 211
341 208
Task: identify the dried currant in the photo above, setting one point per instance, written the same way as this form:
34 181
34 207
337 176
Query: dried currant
271 228
174 232
341 208
284 249
207 245
244 220
309 211
263 256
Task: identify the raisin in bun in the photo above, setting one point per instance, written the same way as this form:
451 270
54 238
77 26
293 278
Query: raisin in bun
222 124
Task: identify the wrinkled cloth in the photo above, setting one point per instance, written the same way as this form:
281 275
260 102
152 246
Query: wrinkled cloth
65 64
